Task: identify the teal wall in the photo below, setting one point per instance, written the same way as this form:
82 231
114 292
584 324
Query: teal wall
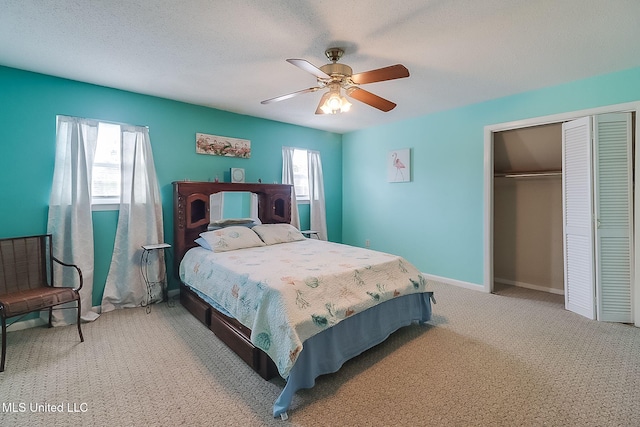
29 104
436 220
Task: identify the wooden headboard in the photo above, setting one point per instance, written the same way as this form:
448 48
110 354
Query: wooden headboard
191 209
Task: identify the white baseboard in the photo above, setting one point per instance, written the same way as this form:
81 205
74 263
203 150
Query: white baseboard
26 324
454 282
529 286
32 323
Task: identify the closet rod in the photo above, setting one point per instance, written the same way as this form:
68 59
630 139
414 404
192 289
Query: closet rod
527 174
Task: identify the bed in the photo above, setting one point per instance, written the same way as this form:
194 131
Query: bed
294 307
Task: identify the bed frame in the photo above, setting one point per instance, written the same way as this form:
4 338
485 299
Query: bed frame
191 217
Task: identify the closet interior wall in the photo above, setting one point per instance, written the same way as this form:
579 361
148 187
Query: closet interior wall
527 237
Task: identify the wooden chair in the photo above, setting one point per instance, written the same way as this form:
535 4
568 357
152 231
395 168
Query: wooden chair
26 281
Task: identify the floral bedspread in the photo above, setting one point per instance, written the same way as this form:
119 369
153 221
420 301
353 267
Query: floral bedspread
288 292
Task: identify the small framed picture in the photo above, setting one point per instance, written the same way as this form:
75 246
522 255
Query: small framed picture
399 165
237 175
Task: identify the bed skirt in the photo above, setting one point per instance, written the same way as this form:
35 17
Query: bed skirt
327 351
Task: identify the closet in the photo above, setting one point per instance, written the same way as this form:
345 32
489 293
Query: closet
563 212
528 208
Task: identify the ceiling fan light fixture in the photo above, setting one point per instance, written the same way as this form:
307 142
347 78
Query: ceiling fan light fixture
336 77
346 105
335 103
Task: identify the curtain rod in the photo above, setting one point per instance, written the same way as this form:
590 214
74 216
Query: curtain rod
110 122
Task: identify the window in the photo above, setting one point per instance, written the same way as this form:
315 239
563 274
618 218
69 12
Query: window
105 184
301 174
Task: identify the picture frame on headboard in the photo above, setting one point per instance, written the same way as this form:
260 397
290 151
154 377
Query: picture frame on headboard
237 175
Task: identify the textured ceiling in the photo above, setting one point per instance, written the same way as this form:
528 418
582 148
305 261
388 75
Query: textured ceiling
230 54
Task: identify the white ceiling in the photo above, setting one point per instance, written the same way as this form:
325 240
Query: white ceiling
230 54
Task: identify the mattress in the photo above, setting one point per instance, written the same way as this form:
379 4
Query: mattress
287 293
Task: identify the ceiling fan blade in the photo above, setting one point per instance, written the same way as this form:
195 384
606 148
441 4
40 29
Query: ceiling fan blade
290 95
392 72
322 100
309 68
371 99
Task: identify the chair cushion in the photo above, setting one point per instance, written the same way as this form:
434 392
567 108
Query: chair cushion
18 303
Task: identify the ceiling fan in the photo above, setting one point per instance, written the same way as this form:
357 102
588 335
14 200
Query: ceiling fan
338 77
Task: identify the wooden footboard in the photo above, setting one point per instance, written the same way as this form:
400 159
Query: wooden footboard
235 335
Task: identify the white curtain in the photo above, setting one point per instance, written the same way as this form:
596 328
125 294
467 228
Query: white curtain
70 221
139 223
318 215
287 178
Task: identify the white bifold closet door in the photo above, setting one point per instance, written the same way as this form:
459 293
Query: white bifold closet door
597 203
577 205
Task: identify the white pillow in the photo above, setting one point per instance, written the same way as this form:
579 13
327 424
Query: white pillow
203 243
231 238
278 233
227 222
232 221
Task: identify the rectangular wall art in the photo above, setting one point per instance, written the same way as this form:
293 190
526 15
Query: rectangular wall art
222 146
399 165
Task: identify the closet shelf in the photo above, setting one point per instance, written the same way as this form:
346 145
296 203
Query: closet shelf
533 174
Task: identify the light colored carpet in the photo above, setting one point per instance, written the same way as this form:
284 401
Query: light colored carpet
512 359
